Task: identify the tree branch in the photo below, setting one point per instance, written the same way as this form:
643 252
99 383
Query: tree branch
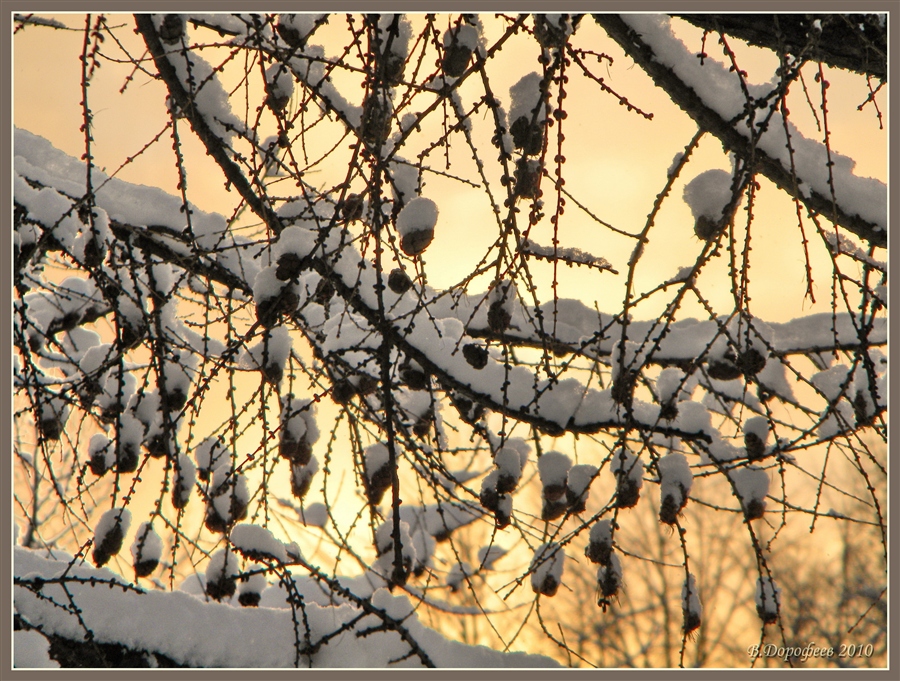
856 42
708 119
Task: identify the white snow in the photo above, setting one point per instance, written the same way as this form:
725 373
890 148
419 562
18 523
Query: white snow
759 426
690 597
31 651
210 99
553 467
569 255
110 519
751 484
279 81
526 97
675 477
721 90
147 544
601 532
768 597
257 543
420 214
625 463
579 478
708 194
547 567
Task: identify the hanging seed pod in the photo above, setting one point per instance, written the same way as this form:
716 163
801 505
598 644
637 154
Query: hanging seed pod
415 223
228 500
352 207
509 465
547 569
365 384
751 485
376 120
675 481
384 547
503 512
279 87
600 545
489 496
768 599
527 136
578 482
294 29
459 45
101 455
552 31
691 609
609 580
527 114
378 473
707 228
553 468
299 431
342 391
469 411
146 551
552 510
301 477
324 292
751 362
183 484
221 575
724 369
668 410
476 355
501 301
54 413
393 65
629 477
756 432
210 455
422 426
109 535
129 443
708 195
250 590
623 387
289 266
399 281
527 179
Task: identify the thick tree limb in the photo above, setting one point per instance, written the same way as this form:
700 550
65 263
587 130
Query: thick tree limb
856 42
708 119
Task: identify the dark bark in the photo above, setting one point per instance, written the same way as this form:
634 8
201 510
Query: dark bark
855 42
708 119
91 654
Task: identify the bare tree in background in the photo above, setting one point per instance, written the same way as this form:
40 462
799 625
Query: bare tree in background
274 394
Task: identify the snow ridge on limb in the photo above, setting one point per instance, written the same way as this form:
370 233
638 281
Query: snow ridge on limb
713 98
439 328
207 634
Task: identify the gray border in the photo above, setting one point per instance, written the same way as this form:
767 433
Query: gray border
892 7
